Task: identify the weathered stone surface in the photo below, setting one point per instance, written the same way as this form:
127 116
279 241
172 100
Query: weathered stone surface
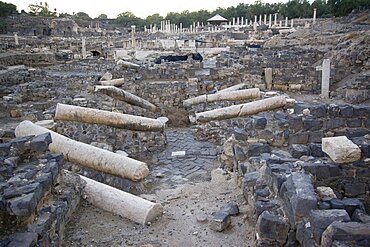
258 148
353 189
298 150
25 239
220 221
266 205
360 216
347 232
259 122
272 227
231 209
321 219
24 205
299 196
316 150
348 204
40 143
340 149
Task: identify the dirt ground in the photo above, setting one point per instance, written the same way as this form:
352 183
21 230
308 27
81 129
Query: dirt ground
187 214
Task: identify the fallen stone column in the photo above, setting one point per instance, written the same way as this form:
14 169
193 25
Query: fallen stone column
113 119
228 95
240 110
233 88
127 64
86 155
119 202
122 95
114 82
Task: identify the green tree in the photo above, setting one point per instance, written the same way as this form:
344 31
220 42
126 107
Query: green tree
7 9
128 19
82 16
323 9
344 7
102 16
154 19
41 9
296 9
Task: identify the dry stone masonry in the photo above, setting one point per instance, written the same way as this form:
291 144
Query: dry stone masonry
96 115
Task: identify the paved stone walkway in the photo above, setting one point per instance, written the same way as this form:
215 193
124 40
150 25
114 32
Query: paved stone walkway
185 159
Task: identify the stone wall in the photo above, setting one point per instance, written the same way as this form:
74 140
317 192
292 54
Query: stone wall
36 198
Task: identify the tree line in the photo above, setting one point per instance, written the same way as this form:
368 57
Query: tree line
290 9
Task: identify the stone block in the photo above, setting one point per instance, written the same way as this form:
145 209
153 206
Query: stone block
316 150
240 135
272 227
295 123
321 170
23 206
298 150
299 138
334 123
348 204
340 149
220 221
249 181
346 111
299 196
361 111
312 124
40 143
231 209
266 205
257 149
25 239
354 233
353 189
360 216
316 136
259 122
318 111
280 115
321 219
304 234
354 123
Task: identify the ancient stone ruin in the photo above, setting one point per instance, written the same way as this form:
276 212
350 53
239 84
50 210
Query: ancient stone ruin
257 136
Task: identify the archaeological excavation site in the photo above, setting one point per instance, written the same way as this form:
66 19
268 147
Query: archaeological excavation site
234 130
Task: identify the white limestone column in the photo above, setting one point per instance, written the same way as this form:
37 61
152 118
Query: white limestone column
286 21
233 21
265 19
270 20
84 54
275 19
242 20
133 41
16 38
291 23
314 15
325 78
260 22
237 21
280 23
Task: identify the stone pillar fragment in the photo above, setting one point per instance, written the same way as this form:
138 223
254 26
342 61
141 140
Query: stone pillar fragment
228 95
86 155
113 119
125 96
240 110
16 38
119 202
84 54
325 78
268 78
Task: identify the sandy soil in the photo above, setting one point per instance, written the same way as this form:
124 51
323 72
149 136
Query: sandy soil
187 214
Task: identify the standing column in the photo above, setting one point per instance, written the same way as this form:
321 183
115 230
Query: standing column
291 23
242 20
255 19
233 21
265 19
133 43
280 24
286 21
314 15
275 19
325 78
255 26
16 38
181 27
237 21
268 78
84 54
270 20
260 23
